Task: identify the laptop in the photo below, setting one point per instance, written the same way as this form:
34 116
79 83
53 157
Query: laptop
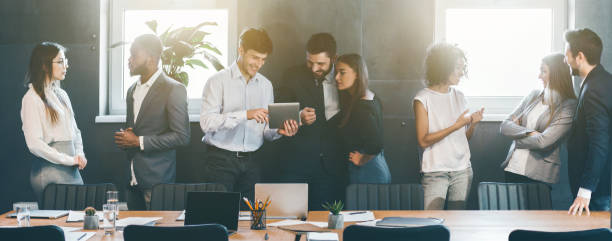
289 200
213 207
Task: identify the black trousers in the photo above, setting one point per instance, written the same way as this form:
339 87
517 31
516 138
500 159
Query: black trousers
516 178
238 172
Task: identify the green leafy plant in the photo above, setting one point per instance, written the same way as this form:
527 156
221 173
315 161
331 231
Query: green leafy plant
334 208
90 211
180 47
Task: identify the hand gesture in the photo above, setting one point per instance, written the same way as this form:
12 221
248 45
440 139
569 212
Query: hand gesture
289 128
355 157
463 119
477 116
81 161
127 139
260 115
308 116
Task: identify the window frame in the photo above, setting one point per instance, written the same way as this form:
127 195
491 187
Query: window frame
116 106
497 108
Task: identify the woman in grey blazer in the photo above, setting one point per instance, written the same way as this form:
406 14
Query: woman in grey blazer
538 125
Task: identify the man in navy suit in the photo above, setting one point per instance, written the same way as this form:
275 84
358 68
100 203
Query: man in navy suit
589 142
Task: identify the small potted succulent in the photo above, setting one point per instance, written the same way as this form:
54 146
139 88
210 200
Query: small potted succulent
335 220
91 220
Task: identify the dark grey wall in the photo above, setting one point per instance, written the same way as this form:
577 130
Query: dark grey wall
391 34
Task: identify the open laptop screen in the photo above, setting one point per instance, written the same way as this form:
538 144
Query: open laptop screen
213 207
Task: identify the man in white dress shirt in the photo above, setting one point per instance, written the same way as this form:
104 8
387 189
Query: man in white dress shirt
234 116
157 122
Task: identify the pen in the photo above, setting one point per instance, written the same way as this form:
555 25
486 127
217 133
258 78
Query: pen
361 212
83 235
247 203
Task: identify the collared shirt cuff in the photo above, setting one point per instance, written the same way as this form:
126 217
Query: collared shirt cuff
584 193
141 138
239 115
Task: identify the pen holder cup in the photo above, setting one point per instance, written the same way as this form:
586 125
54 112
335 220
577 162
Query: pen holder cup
258 219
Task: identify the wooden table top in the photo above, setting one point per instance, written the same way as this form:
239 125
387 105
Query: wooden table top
463 225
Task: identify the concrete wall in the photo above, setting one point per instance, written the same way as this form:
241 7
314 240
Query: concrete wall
391 34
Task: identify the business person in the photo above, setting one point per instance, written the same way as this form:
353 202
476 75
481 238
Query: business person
361 124
157 122
589 140
49 127
234 116
314 154
443 128
538 125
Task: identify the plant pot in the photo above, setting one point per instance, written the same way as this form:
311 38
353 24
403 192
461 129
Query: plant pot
335 221
91 222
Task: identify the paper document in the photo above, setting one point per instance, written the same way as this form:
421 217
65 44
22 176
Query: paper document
181 217
315 236
79 216
358 216
289 222
121 223
78 236
69 229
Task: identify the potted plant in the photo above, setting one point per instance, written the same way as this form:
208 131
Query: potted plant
91 220
335 220
182 47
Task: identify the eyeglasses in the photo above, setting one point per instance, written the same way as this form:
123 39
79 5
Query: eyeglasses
63 62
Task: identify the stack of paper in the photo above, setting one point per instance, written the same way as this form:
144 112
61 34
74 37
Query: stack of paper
358 216
289 222
314 236
78 236
79 216
181 217
122 223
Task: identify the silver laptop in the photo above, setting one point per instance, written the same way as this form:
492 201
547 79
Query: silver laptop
288 200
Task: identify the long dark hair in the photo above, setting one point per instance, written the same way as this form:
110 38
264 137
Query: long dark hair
41 68
350 96
560 81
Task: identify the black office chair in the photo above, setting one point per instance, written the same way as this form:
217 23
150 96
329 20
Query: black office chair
47 233
172 196
384 197
75 197
201 232
600 234
514 196
369 233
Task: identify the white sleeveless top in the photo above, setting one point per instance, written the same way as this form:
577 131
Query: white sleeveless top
452 153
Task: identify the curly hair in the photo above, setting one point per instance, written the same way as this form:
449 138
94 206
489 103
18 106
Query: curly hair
440 62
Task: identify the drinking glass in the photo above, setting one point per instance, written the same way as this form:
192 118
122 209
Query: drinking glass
109 218
23 216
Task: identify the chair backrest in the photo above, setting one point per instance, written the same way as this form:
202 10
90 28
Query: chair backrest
514 196
172 196
75 197
202 232
424 233
601 234
384 197
47 233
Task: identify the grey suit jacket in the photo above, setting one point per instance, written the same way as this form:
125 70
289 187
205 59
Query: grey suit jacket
163 121
544 161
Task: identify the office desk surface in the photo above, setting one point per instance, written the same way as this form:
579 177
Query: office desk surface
463 225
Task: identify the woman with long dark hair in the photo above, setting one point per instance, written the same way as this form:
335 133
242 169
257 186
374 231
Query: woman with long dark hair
49 127
361 124
538 125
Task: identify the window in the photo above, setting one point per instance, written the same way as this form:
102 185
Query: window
127 21
504 43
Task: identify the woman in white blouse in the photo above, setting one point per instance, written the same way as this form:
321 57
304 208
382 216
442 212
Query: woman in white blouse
538 125
49 127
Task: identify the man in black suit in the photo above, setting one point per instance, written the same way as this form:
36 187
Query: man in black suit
157 122
589 142
314 154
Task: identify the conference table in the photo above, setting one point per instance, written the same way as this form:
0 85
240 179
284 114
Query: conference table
463 225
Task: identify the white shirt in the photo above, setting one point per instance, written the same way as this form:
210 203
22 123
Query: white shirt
518 162
38 130
330 95
140 92
223 117
452 153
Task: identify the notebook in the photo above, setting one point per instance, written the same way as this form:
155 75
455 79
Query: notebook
50 214
408 221
213 207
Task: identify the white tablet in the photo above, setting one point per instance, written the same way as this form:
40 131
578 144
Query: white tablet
280 112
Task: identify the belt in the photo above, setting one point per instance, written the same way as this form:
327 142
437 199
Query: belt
237 154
